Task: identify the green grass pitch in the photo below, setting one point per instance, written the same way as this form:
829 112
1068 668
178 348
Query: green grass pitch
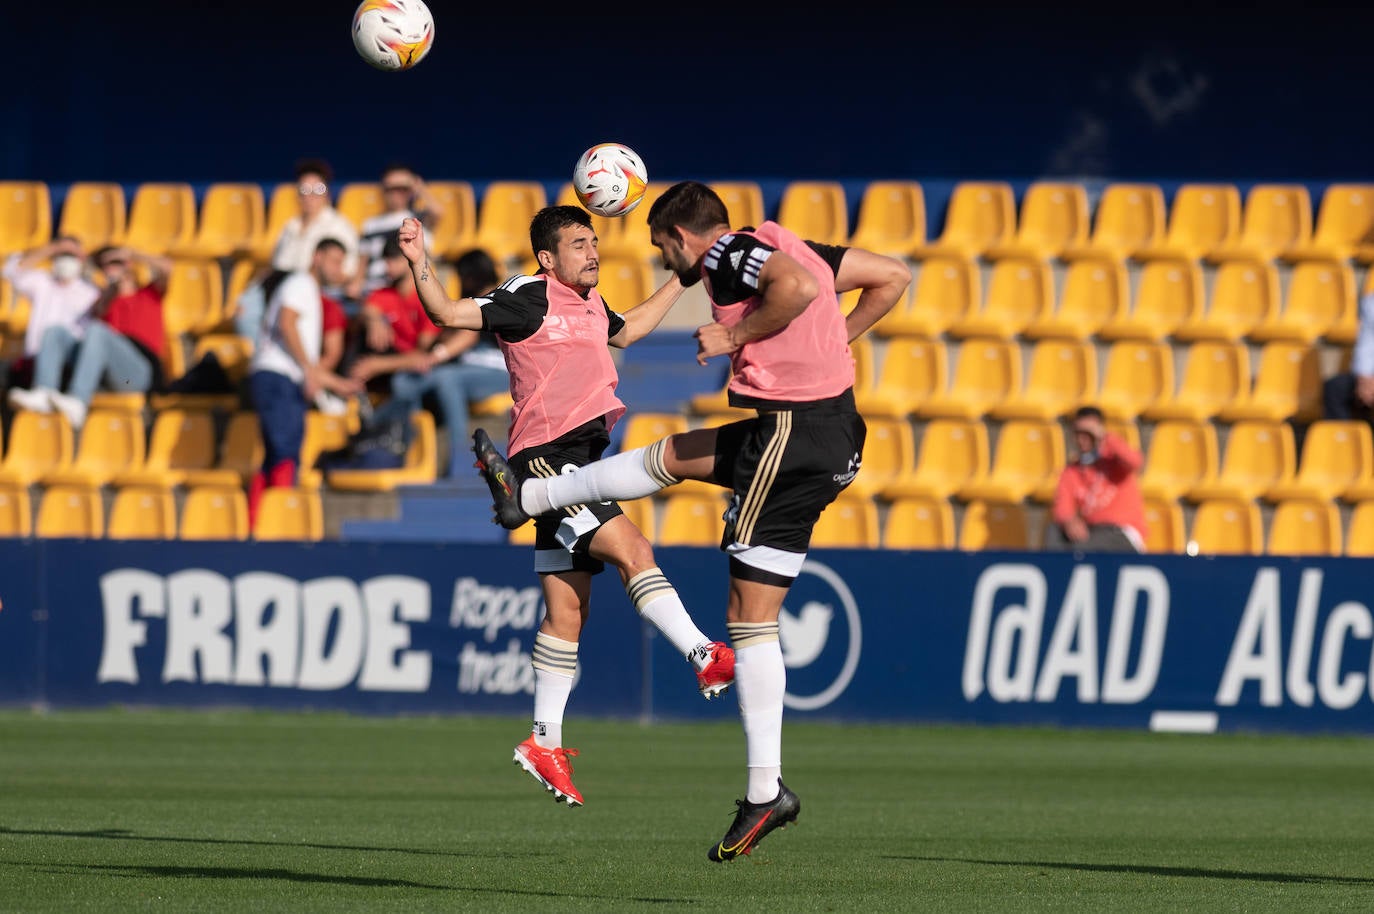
256 812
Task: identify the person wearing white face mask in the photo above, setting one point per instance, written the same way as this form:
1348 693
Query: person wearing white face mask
58 297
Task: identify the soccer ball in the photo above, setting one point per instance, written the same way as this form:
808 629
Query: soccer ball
610 179
393 34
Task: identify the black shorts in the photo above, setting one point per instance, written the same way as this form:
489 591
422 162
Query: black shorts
784 467
562 536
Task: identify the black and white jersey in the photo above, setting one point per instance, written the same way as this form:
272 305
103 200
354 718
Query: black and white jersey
515 310
733 264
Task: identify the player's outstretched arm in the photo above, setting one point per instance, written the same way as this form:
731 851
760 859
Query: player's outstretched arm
883 281
464 314
786 288
644 317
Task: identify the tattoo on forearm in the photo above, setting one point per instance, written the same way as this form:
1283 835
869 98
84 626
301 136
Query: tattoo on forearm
424 271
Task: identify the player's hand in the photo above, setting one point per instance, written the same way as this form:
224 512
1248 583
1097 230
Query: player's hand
1076 530
379 334
411 236
714 340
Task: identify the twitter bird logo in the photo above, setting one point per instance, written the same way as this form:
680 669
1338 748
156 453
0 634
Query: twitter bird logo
803 636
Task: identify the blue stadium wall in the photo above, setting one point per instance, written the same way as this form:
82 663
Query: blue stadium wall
1168 642
159 90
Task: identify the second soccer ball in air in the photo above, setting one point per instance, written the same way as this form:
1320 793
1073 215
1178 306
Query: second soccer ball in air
610 179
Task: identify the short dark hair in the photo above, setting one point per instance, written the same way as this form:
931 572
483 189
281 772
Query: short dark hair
315 167
551 220
99 253
396 166
329 244
690 204
1088 412
476 273
392 248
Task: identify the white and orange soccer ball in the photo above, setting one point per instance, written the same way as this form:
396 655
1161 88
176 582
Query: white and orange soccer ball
610 179
393 34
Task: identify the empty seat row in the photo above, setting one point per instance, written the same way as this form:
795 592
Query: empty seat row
947 298
209 512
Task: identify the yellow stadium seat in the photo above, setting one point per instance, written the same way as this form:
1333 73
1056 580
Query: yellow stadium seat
94 212
497 404
323 433
1345 223
421 464
232 220
360 201
892 218
1225 526
1277 219
1164 528
124 401
25 216
214 513
1095 293
182 441
1129 218
815 211
289 514
946 289
142 513
1054 217
913 369
625 282
1245 293
986 372
1181 455
233 352
1125 429
1062 376
951 452
889 449
240 454
1287 385
111 442
848 522
980 215
503 220
640 511
194 302
1019 292
1202 218
743 200
1305 526
993 525
39 443
1321 296
1137 375
1359 538
1025 464
74 511
454 231
629 235
1169 293
919 523
1215 375
1258 456
162 217
692 518
1337 458
16 512
643 429
282 205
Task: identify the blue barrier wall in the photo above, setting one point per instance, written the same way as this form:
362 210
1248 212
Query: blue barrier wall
1168 642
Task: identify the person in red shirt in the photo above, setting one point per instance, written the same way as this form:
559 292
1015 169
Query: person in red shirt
122 347
397 333
1097 506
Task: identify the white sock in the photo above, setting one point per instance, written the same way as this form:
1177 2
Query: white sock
621 477
760 681
658 602
555 663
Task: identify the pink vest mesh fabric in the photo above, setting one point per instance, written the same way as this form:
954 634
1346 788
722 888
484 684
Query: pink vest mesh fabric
562 375
809 359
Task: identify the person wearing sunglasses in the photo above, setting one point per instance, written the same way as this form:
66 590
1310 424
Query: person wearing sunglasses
317 220
403 197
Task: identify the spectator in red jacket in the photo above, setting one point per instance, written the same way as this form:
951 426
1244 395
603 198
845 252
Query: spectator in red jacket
1098 507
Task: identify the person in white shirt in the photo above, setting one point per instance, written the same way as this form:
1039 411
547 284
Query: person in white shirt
404 196
318 219
58 297
287 371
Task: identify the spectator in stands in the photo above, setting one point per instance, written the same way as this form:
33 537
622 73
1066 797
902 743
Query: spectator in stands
1350 394
461 367
404 196
58 297
317 220
1098 507
122 346
299 346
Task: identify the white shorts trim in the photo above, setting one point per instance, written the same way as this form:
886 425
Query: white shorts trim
766 558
